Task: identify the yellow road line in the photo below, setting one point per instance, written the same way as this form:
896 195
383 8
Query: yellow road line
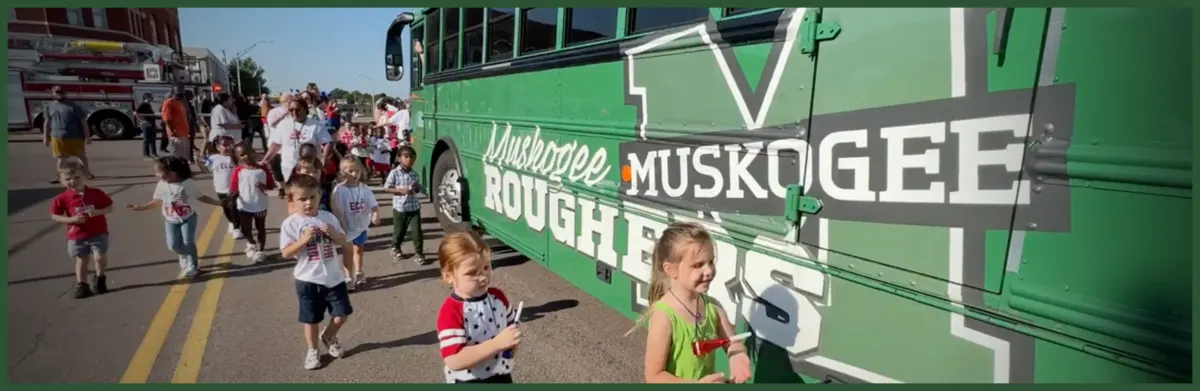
187 369
143 359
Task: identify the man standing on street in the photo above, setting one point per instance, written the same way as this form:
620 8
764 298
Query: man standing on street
175 124
66 132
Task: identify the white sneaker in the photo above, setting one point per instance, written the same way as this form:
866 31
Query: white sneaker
237 234
250 250
312 359
259 256
335 347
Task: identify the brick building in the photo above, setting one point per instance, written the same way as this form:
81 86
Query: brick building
158 26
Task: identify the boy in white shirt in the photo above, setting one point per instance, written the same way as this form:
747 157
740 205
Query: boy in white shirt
312 237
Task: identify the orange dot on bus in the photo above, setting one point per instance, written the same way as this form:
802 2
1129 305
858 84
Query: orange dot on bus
626 174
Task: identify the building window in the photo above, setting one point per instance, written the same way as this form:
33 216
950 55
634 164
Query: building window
539 29
153 31
12 14
646 19
100 18
75 16
591 24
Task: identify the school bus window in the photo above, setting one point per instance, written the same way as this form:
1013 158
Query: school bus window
590 24
472 36
539 29
500 33
417 71
737 11
450 38
644 19
433 41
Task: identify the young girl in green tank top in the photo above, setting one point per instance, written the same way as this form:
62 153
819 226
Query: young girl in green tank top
681 313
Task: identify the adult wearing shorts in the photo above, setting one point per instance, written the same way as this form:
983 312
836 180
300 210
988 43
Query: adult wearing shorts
66 132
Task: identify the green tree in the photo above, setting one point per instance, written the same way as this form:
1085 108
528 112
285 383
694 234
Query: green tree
251 74
338 93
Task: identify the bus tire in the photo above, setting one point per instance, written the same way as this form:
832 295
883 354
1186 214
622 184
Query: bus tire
448 194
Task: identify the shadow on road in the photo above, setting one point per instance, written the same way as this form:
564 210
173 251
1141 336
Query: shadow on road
397 279
20 199
211 272
529 314
426 338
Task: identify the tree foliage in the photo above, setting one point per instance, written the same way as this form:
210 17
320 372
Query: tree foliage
354 97
251 74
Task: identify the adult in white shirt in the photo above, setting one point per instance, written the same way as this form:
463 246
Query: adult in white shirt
275 115
399 120
224 122
294 130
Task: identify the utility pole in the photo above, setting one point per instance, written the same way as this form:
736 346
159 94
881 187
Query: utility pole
237 65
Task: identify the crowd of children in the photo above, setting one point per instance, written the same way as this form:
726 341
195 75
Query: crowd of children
476 325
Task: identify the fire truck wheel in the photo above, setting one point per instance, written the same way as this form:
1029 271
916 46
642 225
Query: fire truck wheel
107 125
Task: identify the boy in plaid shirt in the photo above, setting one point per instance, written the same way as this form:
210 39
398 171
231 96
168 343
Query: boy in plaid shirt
402 183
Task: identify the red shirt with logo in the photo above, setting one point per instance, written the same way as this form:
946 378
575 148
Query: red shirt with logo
71 203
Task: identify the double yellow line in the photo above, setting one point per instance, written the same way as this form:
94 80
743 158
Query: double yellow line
187 369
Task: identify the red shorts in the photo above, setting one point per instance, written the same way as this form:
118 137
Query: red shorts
382 167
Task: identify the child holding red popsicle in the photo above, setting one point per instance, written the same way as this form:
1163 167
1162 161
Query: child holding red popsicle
685 323
476 326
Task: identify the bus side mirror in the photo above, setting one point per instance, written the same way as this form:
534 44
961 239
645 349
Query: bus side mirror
395 68
394 46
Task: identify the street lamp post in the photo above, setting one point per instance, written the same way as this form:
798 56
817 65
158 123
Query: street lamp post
237 58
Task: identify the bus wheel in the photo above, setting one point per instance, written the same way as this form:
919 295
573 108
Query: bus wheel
448 194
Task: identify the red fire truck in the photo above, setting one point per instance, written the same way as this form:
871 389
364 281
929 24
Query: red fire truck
106 78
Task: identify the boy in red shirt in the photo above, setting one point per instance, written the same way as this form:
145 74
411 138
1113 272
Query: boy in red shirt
82 209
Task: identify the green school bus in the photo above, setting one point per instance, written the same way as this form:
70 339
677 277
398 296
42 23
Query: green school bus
897 194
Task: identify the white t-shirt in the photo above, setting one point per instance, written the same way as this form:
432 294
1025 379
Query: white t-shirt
290 135
319 262
221 116
355 205
272 115
379 150
399 120
177 199
221 167
251 199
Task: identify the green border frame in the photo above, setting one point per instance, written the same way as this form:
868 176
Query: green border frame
452 3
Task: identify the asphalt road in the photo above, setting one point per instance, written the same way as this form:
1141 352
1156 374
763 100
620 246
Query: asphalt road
237 323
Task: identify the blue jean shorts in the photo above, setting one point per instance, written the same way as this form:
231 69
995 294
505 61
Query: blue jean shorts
359 240
88 246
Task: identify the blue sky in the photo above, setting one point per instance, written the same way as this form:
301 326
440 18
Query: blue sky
329 46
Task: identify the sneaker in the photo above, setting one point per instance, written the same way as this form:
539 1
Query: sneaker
101 284
335 347
360 280
237 234
397 255
191 273
259 256
312 359
350 284
82 290
418 259
250 250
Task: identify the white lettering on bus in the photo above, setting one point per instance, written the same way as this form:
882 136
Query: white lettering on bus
651 171
529 152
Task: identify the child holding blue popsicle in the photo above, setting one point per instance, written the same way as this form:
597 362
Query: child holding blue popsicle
476 325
